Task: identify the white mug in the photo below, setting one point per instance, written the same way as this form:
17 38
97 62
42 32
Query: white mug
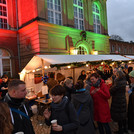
19 133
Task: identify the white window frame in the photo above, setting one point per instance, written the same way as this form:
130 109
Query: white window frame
82 50
4 17
77 17
96 18
1 64
54 12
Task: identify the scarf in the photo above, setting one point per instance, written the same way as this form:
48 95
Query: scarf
60 105
97 84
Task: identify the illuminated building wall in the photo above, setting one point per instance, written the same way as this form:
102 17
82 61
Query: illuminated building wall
40 34
37 36
8 38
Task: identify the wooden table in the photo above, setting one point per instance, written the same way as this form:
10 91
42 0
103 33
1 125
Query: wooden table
42 104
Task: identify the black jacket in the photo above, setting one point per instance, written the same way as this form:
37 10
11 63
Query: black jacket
118 105
5 85
20 123
69 92
131 111
66 117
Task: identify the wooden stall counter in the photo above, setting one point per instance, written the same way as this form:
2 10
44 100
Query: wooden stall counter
31 97
43 101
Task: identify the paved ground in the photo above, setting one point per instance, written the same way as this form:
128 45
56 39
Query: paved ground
41 128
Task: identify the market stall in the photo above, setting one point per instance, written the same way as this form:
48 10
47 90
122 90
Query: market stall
68 65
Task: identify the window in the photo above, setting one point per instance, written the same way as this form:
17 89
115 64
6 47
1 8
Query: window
113 48
5 63
119 49
96 18
3 14
54 11
82 50
130 50
78 14
125 50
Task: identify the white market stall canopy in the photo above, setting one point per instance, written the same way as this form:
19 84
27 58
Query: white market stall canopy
46 60
130 57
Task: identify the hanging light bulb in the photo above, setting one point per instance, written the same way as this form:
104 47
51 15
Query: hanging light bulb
86 65
68 66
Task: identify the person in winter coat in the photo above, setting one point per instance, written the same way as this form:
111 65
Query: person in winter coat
68 85
131 104
19 109
63 111
118 104
4 85
82 76
100 94
84 106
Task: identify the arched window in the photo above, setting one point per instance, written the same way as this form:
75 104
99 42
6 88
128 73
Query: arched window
3 14
82 50
78 14
5 63
96 18
54 11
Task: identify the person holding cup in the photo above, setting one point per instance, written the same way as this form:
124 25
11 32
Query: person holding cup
62 115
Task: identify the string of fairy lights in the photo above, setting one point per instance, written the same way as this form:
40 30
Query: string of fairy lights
76 65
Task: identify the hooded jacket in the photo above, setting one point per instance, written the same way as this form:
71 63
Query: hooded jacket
84 100
20 123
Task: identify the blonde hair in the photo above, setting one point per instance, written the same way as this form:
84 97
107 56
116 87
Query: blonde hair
120 74
6 126
68 81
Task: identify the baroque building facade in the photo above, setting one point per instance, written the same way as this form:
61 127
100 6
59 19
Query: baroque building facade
30 27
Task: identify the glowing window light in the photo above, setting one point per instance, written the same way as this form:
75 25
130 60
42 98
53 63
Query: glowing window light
74 51
95 52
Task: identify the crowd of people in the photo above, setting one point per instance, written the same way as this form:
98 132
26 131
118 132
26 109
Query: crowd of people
78 108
